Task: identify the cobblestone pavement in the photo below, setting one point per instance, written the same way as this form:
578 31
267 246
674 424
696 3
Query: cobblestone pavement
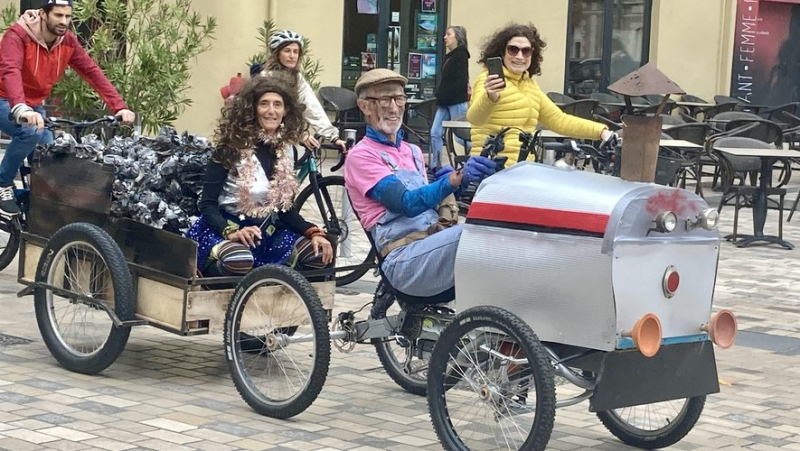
174 393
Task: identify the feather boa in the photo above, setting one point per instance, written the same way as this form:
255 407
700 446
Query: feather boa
283 186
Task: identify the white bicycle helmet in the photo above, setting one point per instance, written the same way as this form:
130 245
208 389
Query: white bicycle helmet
283 37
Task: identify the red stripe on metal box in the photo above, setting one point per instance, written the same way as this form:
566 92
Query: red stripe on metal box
547 217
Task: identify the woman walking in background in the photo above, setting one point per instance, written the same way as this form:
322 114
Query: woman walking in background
452 92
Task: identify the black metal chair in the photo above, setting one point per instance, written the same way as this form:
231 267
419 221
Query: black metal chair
559 98
606 108
734 171
695 133
581 108
776 113
739 105
419 121
343 102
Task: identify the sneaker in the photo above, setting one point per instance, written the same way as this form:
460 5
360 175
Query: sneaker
8 203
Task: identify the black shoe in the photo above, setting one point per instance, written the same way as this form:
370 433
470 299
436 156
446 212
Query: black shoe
8 203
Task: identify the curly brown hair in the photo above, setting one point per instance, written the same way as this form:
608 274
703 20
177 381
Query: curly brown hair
495 45
238 127
274 64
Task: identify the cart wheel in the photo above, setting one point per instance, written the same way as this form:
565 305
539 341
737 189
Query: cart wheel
9 241
396 352
656 425
353 248
490 384
277 306
83 261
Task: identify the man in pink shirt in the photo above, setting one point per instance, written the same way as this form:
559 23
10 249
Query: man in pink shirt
387 184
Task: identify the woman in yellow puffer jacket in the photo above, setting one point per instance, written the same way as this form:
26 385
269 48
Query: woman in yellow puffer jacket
516 100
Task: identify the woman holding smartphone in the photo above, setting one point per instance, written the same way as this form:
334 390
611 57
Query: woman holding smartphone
506 94
452 92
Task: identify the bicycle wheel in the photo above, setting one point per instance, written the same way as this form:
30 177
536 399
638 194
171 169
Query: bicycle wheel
81 262
397 353
353 248
490 384
656 425
9 241
277 307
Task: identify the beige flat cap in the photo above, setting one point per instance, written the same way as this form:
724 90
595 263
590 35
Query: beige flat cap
376 76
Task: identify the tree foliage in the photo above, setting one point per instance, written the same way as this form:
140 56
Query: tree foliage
145 48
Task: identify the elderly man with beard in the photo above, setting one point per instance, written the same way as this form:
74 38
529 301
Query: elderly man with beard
34 53
388 186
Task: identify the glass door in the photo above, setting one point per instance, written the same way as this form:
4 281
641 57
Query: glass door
403 35
607 39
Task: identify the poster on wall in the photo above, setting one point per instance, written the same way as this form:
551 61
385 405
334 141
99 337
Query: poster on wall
426 31
367 61
414 65
428 66
766 63
394 46
428 6
367 6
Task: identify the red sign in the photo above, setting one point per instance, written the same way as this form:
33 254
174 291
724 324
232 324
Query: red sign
766 63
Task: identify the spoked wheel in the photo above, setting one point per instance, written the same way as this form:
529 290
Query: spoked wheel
490 384
397 353
656 425
83 272
353 248
9 241
278 310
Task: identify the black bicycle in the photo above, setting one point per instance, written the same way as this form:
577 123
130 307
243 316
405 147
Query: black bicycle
11 227
325 201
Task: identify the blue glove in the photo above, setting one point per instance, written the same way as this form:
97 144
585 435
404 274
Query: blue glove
476 169
442 172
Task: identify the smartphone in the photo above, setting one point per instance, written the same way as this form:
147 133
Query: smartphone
495 66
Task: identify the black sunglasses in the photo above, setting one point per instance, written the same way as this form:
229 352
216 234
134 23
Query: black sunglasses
513 50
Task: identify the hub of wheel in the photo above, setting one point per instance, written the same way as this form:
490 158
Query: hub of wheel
273 342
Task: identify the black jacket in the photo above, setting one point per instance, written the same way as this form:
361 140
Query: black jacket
454 79
215 178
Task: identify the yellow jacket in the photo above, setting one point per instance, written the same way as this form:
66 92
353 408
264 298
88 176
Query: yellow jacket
521 104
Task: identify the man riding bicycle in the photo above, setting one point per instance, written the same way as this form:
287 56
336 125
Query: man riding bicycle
34 53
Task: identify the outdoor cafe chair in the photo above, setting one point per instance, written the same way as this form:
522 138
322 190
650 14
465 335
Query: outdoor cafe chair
559 98
343 103
733 172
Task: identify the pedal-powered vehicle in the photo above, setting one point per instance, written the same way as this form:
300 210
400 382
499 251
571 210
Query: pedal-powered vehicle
93 277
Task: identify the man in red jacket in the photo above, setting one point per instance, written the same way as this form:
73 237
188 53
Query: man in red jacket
34 53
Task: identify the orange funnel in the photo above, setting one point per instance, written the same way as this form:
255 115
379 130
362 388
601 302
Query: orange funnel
646 334
722 329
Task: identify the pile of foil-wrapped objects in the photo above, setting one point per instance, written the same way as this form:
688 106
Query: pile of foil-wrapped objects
157 181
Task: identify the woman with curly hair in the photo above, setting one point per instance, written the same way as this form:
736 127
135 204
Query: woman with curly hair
248 218
515 100
286 55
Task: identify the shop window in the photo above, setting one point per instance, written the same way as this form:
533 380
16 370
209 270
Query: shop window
607 39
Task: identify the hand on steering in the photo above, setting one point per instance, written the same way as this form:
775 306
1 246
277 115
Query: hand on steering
310 142
444 171
609 138
341 143
126 116
476 169
33 119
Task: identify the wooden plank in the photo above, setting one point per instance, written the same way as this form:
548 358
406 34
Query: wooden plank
32 255
159 302
274 306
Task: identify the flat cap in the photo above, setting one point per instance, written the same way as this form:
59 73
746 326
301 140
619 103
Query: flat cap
377 76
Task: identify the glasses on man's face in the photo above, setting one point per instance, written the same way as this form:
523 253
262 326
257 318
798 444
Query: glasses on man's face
384 102
513 50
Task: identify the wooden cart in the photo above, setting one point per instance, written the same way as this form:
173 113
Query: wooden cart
94 276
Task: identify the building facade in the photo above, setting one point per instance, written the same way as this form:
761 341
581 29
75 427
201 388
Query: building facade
590 43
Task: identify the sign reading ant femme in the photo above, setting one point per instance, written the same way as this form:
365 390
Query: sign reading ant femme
766 57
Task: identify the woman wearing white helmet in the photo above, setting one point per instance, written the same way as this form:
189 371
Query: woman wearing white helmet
286 51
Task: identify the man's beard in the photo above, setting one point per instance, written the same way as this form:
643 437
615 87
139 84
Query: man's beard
55 30
388 129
